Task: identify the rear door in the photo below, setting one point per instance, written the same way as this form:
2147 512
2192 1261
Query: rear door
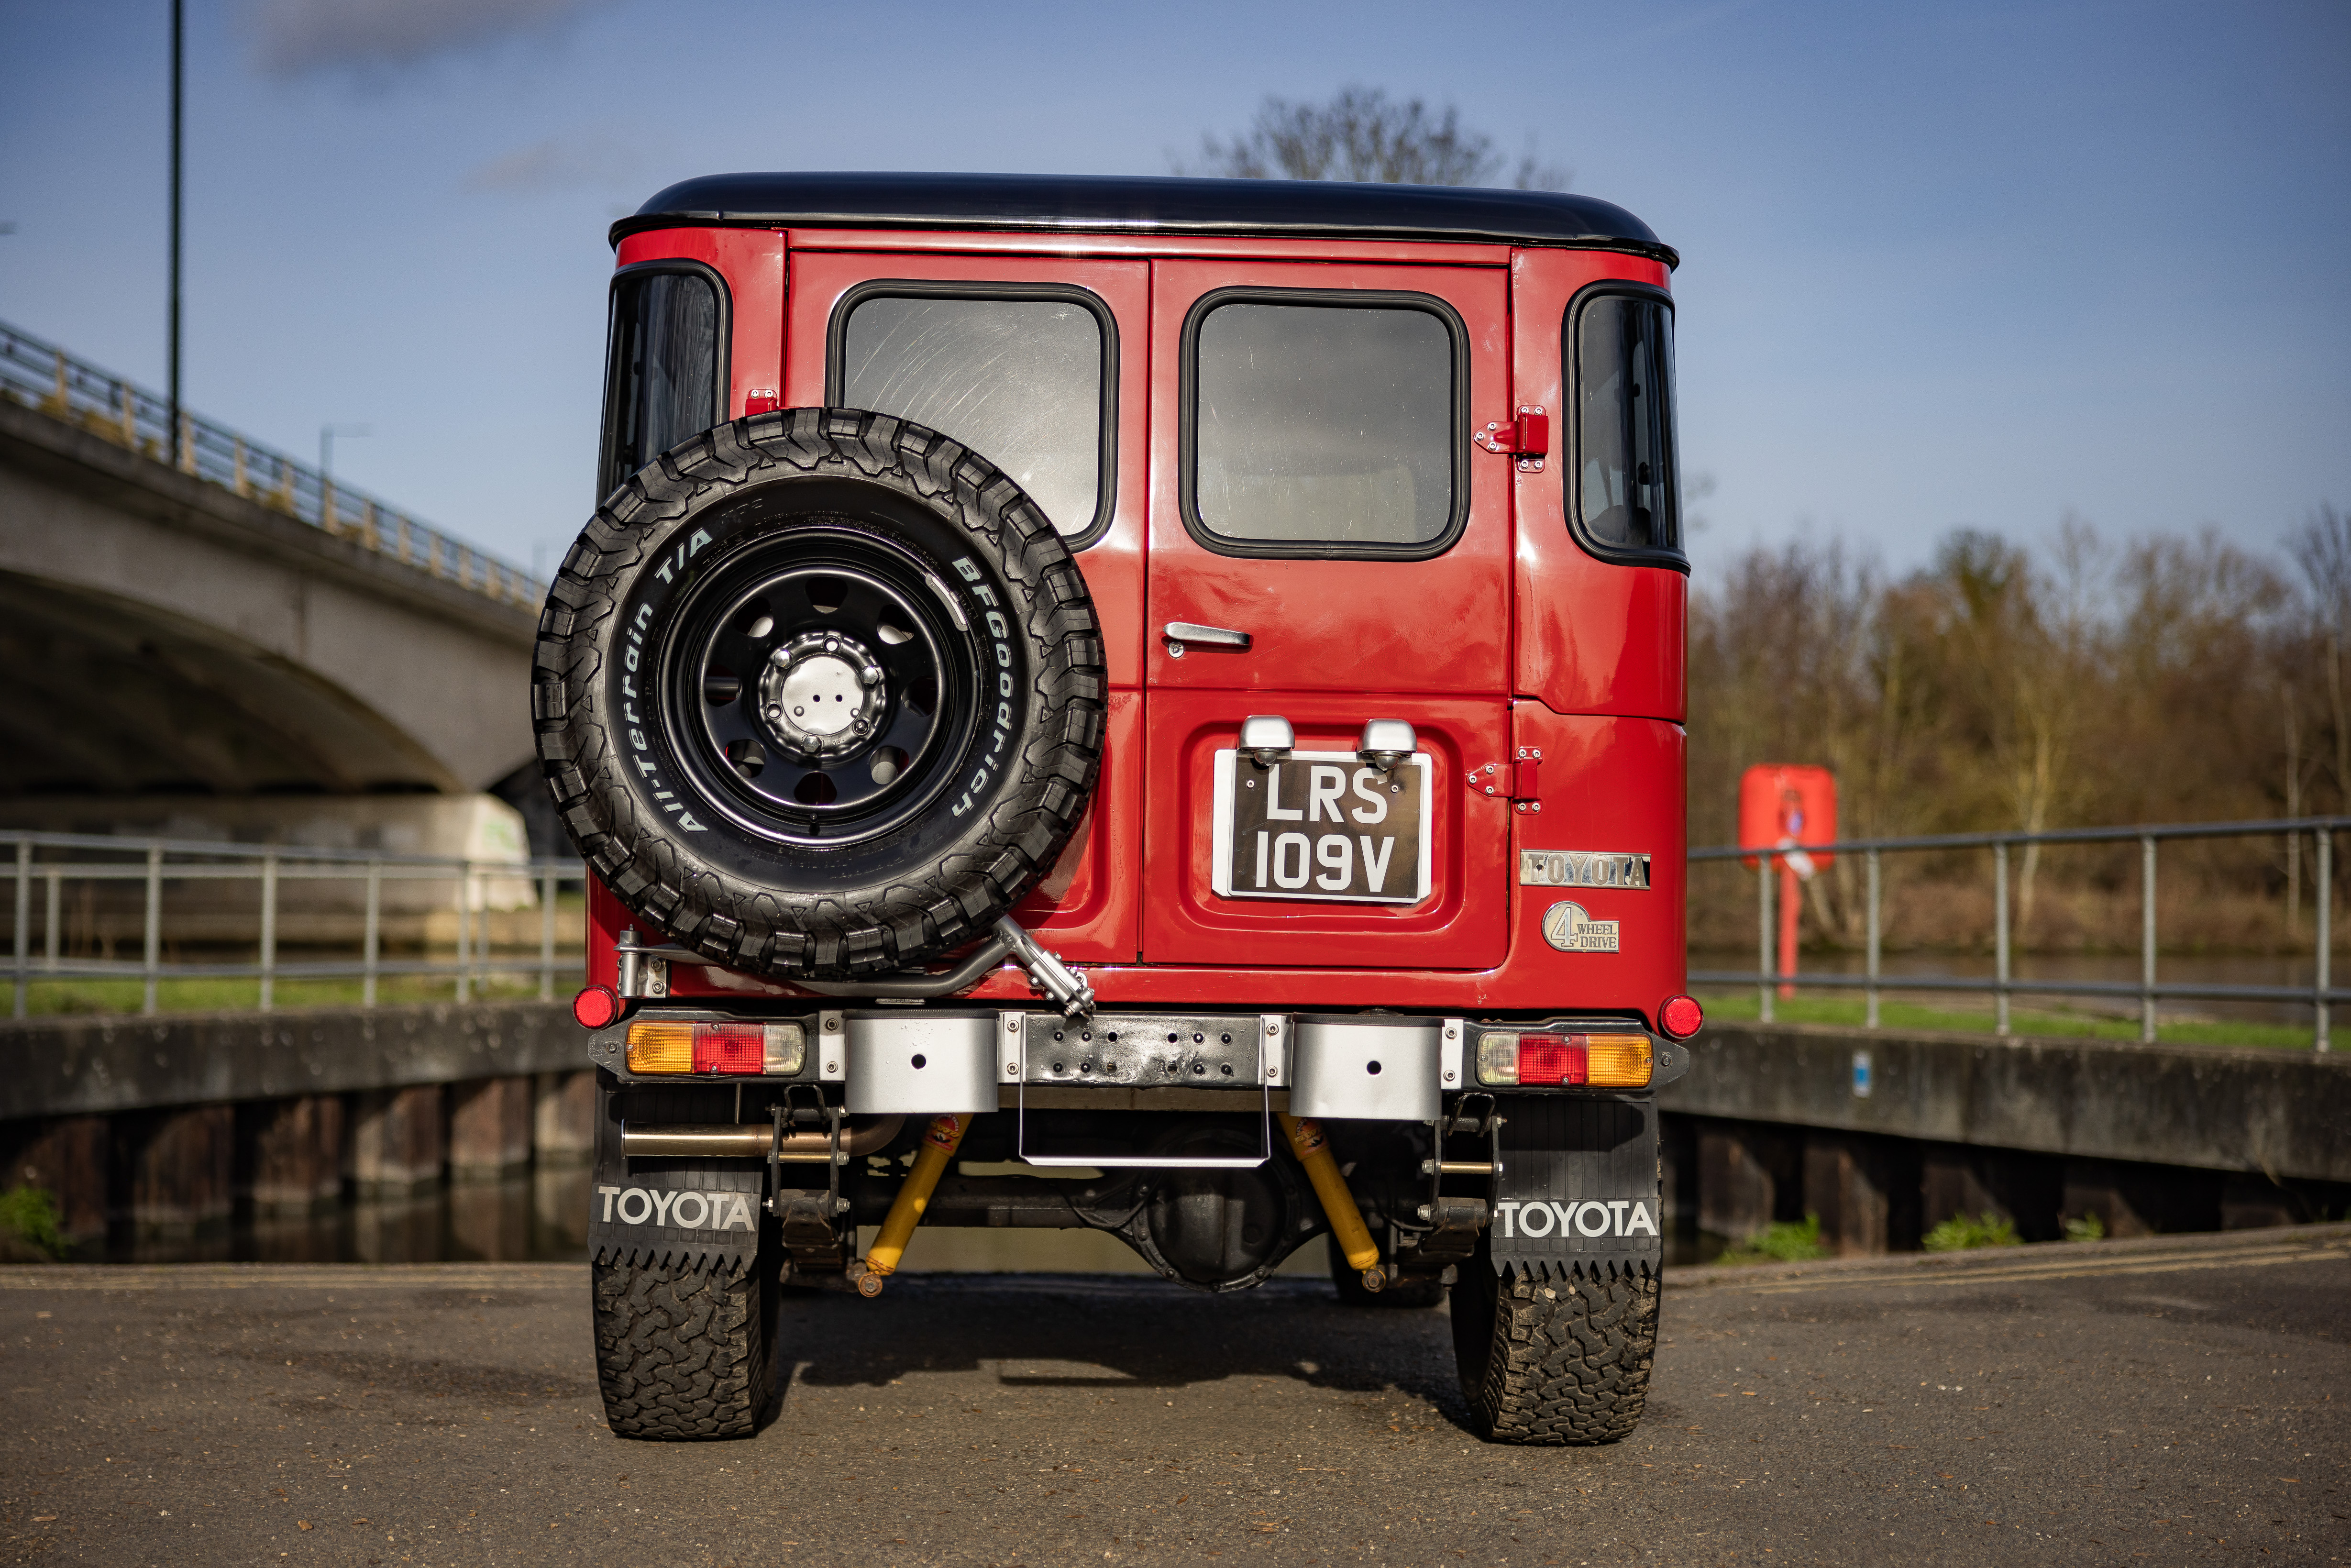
1039 365
1315 496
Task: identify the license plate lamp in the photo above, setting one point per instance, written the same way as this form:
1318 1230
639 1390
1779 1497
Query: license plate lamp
1564 1060
745 1049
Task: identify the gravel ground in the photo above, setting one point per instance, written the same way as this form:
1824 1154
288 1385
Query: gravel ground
2182 1400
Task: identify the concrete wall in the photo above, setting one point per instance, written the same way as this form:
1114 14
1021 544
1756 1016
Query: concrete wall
166 1126
2279 1114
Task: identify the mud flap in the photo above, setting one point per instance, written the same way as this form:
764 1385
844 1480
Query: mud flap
674 1213
1579 1186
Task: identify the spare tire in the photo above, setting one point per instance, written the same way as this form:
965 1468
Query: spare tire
819 694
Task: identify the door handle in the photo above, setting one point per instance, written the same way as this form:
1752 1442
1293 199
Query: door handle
1183 633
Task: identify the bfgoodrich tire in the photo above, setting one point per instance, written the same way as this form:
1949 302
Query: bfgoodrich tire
683 1353
819 694
1555 1361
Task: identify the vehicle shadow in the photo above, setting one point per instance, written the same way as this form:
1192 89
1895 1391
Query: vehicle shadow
1096 1331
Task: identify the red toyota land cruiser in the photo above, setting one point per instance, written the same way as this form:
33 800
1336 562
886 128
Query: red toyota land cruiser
1173 688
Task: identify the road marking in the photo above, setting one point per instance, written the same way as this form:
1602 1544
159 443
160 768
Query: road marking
2068 1269
265 1276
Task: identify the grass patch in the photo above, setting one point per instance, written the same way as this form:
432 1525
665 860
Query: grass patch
2086 1227
1963 1232
28 1218
1785 1242
50 998
1741 1006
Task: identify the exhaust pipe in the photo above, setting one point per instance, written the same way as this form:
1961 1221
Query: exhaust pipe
751 1141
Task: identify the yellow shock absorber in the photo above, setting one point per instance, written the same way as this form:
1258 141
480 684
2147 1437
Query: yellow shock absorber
939 1145
1313 1151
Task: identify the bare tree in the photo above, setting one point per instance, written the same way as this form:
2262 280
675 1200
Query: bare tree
2321 548
1363 134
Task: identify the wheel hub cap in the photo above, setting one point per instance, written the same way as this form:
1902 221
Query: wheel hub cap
823 695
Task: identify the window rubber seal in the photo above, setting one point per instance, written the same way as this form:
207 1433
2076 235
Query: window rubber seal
836 373
1188 402
723 383
1571 440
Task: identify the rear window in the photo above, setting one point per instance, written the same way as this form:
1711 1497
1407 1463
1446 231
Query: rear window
1625 496
667 378
1021 380
1324 426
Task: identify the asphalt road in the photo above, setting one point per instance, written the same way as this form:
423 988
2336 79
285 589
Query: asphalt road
2181 1401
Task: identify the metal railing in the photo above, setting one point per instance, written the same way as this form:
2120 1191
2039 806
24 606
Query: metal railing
47 863
2321 993
46 377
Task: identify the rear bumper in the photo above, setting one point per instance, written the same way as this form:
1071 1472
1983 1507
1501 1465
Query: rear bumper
936 1061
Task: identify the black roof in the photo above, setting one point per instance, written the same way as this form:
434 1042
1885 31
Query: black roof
1105 202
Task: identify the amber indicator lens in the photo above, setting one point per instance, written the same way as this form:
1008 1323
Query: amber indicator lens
739 1049
1564 1060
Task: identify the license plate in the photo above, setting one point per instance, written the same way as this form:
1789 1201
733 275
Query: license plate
1321 825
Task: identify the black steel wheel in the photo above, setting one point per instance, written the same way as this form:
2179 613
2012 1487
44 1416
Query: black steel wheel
819 694
818 687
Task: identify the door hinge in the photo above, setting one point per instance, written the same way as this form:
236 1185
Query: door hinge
1518 780
1526 437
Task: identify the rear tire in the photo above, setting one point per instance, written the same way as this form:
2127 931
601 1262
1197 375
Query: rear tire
1555 1361
684 1353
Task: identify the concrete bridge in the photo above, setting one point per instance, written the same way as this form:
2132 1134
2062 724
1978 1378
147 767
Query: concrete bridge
229 626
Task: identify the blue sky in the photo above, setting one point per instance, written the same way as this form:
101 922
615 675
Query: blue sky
1943 265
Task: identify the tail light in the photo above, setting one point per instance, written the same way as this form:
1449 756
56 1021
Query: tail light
1593 1060
752 1049
1681 1016
596 1007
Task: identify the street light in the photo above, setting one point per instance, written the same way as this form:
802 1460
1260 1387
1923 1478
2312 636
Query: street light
327 434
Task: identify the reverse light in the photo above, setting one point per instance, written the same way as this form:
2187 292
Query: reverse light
596 1007
1681 1016
777 1050
1593 1060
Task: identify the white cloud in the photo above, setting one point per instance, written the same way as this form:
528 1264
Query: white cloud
297 37
559 163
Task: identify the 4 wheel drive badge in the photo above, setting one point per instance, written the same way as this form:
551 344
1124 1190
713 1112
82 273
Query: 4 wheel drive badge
1567 928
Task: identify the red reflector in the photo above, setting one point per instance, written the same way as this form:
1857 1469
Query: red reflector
1681 1016
729 1048
1551 1059
596 1007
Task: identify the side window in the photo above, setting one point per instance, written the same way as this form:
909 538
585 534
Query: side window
1022 379
1625 496
667 376
1323 425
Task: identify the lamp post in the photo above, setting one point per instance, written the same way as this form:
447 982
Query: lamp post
179 74
327 434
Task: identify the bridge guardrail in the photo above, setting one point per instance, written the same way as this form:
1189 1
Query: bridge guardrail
2321 993
51 861
46 377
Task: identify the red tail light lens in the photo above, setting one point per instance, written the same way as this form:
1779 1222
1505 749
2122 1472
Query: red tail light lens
1681 1016
729 1048
1551 1058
